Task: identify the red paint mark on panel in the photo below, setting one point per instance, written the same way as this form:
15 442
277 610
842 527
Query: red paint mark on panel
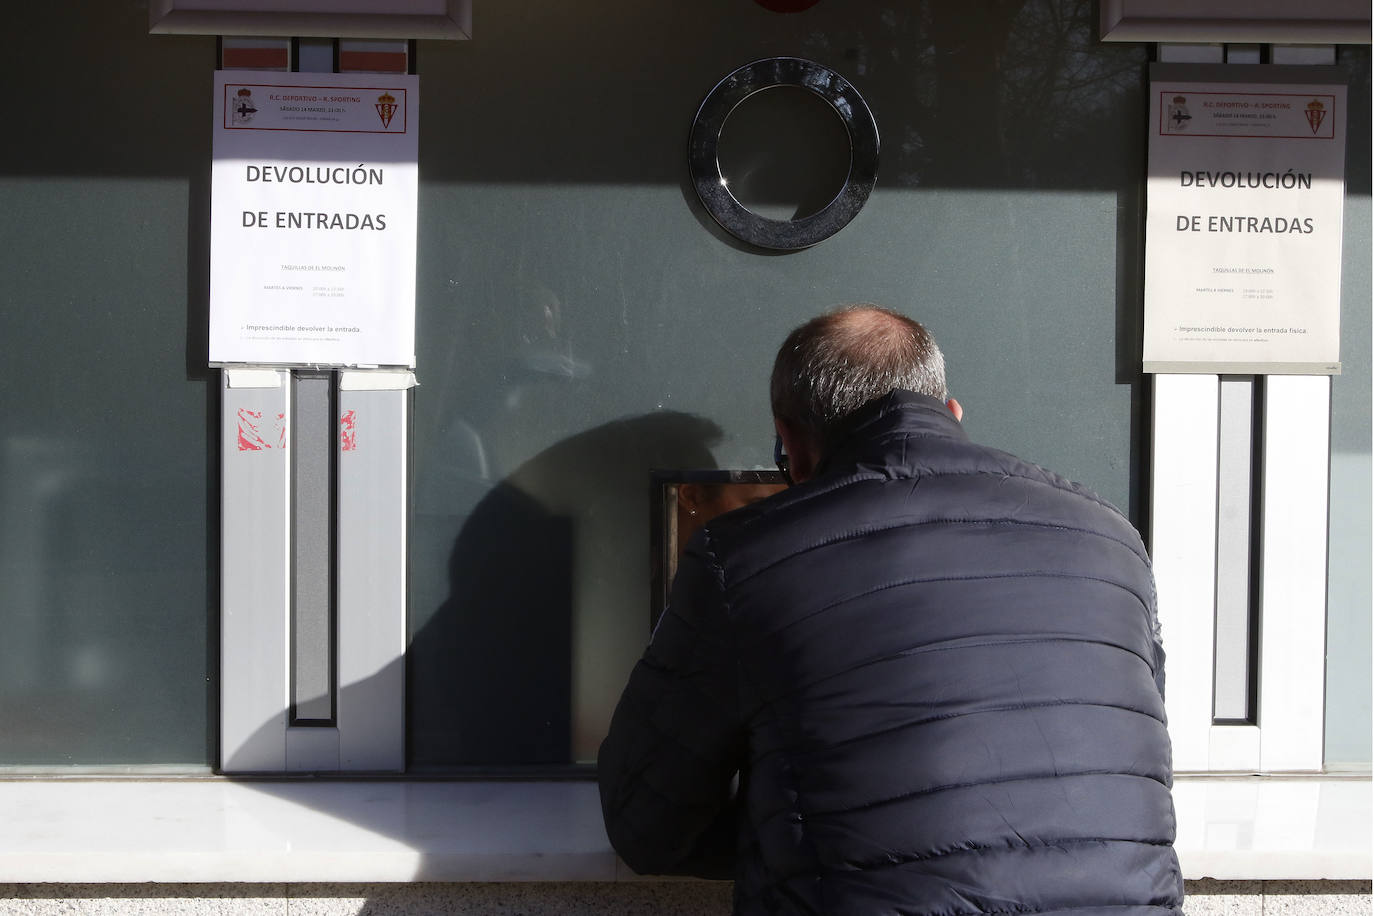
348 431
255 435
250 431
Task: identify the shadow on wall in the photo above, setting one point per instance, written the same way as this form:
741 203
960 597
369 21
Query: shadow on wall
490 675
558 548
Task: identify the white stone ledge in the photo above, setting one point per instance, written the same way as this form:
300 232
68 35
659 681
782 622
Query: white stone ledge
224 830
216 830
1274 827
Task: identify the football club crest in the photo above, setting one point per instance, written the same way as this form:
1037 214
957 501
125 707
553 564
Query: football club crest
1316 111
386 108
1178 113
243 107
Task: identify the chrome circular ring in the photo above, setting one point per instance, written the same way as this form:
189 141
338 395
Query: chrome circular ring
704 142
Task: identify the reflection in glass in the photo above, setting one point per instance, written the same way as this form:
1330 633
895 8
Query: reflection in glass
1006 217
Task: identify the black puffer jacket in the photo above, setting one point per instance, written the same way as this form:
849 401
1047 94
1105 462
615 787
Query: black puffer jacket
935 667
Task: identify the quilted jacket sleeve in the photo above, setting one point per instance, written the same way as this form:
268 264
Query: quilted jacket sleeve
1157 635
676 740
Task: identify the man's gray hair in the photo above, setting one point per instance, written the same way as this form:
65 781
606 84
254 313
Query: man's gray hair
836 363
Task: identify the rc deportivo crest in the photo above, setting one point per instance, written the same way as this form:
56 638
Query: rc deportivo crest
1316 111
1178 113
386 108
243 107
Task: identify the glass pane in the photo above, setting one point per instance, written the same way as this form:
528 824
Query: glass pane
107 545
582 321
106 550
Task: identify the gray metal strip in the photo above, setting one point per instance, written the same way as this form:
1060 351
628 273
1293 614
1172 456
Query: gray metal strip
1232 675
315 55
1303 55
266 499
1222 368
255 594
371 579
312 548
1245 73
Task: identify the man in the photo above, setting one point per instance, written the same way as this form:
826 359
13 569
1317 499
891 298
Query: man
925 679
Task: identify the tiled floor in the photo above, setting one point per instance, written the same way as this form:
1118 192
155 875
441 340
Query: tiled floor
626 898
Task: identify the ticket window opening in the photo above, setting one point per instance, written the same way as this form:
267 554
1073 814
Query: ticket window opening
682 502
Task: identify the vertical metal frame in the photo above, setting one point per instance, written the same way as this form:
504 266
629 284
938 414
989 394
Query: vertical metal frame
1292 566
255 599
373 436
314 557
1297 455
368 430
1292 553
1237 632
371 445
1183 537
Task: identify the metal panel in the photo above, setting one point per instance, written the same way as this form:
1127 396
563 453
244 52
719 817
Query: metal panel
1233 677
450 19
256 573
312 548
1312 22
314 55
1292 572
1234 749
371 585
1185 53
1183 538
1303 55
312 749
318 627
1293 609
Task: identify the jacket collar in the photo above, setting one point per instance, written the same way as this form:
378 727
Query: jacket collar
898 414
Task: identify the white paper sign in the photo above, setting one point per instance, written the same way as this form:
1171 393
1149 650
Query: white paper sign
1243 234
313 219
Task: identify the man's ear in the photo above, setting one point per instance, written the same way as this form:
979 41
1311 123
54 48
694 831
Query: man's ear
955 408
689 496
802 454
